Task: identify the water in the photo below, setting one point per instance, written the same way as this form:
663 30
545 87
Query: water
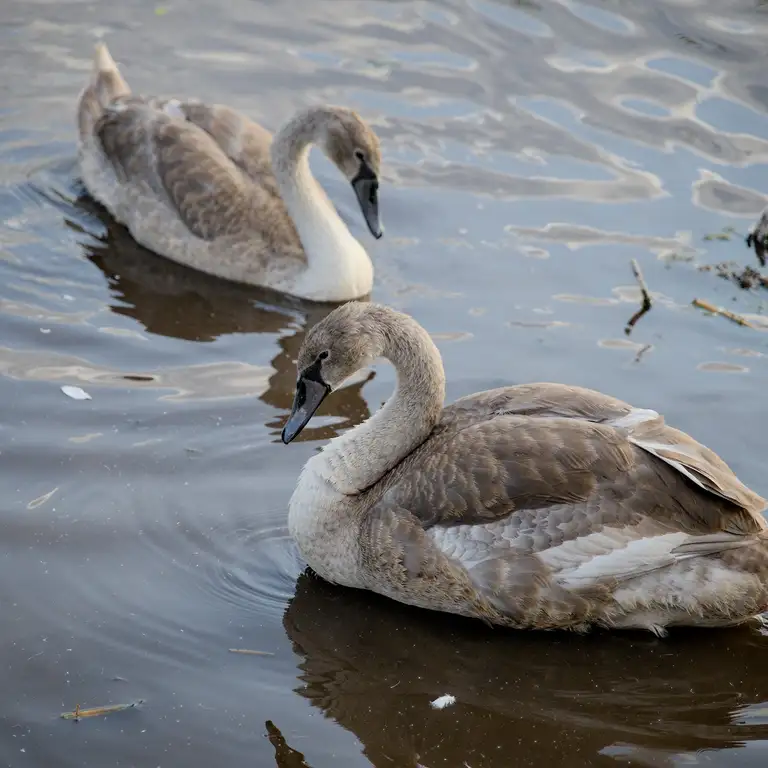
531 149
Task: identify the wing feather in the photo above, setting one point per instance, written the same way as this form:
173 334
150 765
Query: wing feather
206 167
596 491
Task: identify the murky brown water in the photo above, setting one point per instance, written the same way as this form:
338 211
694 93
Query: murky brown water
532 149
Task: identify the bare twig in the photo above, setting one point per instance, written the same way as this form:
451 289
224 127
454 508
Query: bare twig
642 351
79 713
249 652
646 305
732 316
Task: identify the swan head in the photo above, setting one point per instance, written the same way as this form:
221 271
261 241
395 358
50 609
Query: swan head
354 148
347 339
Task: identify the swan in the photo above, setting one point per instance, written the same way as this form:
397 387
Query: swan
207 187
539 506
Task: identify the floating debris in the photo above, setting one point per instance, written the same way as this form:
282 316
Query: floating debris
732 316
441 702
718 367
248 652
646 305
40 500
85 438
642 351
746 277
79 714
724 234
76 393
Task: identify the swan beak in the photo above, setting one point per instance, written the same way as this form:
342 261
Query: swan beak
309 394
366 186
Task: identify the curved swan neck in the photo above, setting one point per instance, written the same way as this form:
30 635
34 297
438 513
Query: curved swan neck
338 268
361 457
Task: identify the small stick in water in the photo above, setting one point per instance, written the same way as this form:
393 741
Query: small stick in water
78 714
646 305
249 652
732 316
642 351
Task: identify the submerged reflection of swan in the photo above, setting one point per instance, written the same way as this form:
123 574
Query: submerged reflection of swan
374 667
171 300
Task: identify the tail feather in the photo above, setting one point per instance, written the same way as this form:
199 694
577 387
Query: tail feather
106 85
711 544
106 79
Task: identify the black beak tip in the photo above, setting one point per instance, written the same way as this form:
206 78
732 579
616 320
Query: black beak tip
378 233
285 437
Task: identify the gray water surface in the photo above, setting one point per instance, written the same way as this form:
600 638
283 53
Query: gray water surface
531 150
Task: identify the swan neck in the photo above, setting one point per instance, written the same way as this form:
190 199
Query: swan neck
362 456
338 268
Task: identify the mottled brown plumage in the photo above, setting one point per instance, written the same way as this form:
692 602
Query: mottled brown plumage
541 505
211 189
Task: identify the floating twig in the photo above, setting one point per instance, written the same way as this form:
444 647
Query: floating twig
79 714
724 235
249 652
642 351
646 305
732 316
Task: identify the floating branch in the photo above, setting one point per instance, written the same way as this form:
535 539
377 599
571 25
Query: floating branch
79 714
248 652
732 316
646 305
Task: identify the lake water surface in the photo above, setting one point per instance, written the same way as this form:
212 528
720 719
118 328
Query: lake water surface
532 149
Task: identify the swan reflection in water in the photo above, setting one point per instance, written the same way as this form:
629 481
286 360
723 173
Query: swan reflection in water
522 699
171 300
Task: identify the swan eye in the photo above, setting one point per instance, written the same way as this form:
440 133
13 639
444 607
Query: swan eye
323 356
360 155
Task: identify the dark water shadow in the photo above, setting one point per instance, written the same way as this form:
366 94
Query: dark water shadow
374 666
168 299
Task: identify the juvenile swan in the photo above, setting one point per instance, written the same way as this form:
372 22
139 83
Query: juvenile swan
536 506
208 188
